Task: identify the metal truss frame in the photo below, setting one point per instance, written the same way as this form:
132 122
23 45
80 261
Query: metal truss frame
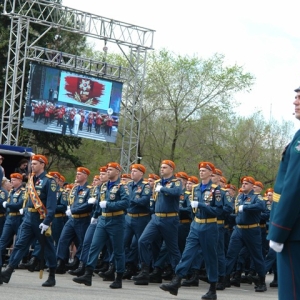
133 41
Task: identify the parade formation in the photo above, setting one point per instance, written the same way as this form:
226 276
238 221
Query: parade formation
171 229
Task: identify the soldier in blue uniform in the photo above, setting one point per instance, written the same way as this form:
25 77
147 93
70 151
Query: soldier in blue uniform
3 198
164 223
95 197
79 213
284 231
40 206
114 200
137 217
247 231
13 205
57 223
207 205
227 204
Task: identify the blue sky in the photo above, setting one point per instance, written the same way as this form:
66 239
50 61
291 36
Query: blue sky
262 36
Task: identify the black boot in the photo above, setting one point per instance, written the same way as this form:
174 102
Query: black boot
73 265
109 275
51 278
79 271
129 271
60 268
227 281
236 280
103 268
86 278
6 274
117 284
194 280
252 277
274 282
33 263
221 284
212 293
168 273
1 281
143 277
261 287
155 276
173 286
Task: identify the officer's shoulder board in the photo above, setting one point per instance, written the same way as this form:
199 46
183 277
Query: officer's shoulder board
223 189
89 186
214 185
156 181
145 182
22 189
49 176
187 192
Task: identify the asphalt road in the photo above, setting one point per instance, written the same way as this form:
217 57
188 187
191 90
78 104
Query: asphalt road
27 286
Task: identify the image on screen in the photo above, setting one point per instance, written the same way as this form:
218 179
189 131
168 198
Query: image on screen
70 103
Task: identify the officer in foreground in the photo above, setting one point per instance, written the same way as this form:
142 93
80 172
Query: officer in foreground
284 230
41 205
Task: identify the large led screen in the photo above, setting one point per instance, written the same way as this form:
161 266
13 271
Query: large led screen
70 103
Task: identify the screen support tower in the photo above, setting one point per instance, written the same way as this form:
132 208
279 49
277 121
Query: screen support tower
132 40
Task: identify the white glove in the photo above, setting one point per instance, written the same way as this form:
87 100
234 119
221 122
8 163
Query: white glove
4 204
103 204
94 221
21 210
194 204
91 200
277 247
43 227
68 212
68 207
158 188
241 207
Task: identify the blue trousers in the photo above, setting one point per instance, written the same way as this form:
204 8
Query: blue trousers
221 251
288 265
134 227
204 237
73 229
251 239
158 227
88 238
111 228
28 232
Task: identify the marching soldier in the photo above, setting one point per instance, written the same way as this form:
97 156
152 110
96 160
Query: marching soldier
247 231
79 212
114 200
41 205
137 217
13 204
203 235
164 223
95 197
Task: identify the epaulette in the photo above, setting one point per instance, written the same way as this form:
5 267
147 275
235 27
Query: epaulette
49 176
265 198
213 185
256 193
89 186
145 182
223 189
23 189
175 179
195 185
156 180
61 189
187 192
